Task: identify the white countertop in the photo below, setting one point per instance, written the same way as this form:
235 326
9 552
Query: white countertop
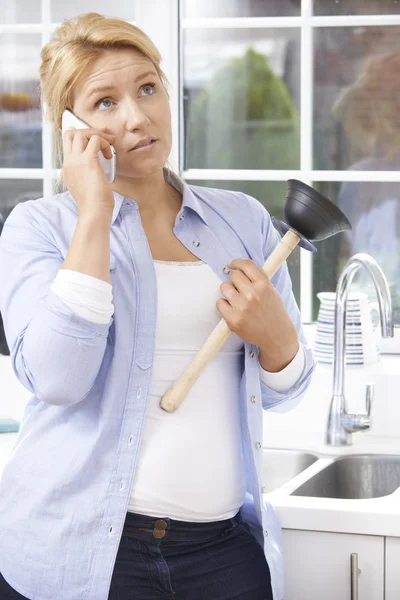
302 429
375 516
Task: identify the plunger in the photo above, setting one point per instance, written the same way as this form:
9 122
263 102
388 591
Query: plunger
310 217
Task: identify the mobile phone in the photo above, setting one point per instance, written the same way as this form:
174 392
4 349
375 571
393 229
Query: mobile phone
69 119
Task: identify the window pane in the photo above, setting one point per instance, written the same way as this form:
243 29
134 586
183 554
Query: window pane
272 195
373 209
20 112
13 191
61 10
356 7
240 8
356 99
242 98
20 11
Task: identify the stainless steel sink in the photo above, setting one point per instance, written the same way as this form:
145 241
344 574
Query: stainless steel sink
280 466
354 477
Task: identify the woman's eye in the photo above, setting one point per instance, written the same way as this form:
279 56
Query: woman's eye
149 86
102 100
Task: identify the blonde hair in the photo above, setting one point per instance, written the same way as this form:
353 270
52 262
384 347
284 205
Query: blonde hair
369 110
73 49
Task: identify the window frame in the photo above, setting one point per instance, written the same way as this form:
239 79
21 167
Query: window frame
307 24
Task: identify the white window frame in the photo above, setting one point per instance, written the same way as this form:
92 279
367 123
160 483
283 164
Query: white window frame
161 20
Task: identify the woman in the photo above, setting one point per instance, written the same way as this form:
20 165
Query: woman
105 495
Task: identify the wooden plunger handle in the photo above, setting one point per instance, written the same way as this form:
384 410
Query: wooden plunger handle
177 392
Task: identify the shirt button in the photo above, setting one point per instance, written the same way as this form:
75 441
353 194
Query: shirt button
265 533
181 217
251 353
196 244
226 270
258 445
139 393
253 399
264 489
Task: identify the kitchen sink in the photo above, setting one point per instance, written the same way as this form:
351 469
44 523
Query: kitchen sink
280 466
354 477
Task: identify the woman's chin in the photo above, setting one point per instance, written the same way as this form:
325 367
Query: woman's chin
145 169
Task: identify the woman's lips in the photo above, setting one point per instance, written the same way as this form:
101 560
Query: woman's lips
143 148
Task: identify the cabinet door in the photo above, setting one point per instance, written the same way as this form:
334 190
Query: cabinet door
392 571
317 565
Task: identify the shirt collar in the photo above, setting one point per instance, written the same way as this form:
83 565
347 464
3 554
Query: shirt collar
189 198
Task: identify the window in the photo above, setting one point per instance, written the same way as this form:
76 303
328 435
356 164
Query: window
261 91
305 90
26 142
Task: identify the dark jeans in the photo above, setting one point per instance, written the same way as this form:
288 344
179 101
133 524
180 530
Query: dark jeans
180 560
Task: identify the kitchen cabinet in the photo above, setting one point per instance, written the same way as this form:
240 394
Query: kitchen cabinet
318 566
392 568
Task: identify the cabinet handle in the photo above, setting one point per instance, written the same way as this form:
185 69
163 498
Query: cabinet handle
354 573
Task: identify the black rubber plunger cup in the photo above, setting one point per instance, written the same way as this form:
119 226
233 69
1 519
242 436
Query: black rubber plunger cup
311 214
310 217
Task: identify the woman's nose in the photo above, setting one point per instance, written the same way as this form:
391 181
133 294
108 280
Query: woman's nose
135 116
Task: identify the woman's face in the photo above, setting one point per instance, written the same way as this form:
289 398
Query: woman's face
134 107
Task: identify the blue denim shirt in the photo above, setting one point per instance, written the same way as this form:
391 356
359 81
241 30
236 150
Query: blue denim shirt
65 488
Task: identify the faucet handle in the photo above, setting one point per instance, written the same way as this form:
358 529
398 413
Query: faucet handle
353 422
369 396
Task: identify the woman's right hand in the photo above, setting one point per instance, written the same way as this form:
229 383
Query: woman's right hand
82 172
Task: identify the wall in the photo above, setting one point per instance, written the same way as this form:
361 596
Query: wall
309 416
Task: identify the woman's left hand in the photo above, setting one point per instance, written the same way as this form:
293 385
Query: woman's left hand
254 310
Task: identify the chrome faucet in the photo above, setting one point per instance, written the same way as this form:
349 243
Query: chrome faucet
341 424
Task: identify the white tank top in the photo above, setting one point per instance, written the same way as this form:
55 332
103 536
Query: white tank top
190 465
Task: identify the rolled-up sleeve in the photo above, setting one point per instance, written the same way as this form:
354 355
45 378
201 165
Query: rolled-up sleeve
55 353
288 399
283 380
